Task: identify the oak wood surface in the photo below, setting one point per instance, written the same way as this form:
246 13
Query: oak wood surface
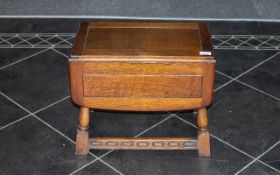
205 38
133 24
202 120
142 86
84 117
142 68
145 39
142 104
203 138
164 143
116 69
82 136
203 144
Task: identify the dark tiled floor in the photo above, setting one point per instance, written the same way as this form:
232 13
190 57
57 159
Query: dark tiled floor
236 114
235 62
30 147
38 81
9 55
97 168
258 169
243 120
224 160
67 52
266 77
9 112
273 157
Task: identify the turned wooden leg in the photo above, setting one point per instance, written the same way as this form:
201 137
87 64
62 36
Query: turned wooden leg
203 134
82 132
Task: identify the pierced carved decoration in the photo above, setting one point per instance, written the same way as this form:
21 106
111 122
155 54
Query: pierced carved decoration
143 143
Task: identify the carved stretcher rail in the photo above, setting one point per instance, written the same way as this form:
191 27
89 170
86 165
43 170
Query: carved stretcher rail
143 143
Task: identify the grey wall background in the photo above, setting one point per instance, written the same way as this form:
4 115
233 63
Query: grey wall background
228 10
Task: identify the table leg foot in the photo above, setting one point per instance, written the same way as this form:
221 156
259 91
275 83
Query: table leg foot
82 137
203 146
203 138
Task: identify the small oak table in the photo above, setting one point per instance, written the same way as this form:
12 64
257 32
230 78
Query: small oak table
142 66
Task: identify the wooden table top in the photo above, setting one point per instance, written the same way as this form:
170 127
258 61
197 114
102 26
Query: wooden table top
142 39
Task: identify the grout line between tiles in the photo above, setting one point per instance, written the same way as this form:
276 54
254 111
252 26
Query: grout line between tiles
242 42
257 158
257 65
256 48
74 142
14 122
39 110
82 167
221 73
146 130
47 40
47 124
228 144
30 56
268 166
57 51
96 157
23 59
220 87
110 166
265 93
52 104
252 87
4 95
252 68
7 40
71 140
64 39
23 40
30 113
224 42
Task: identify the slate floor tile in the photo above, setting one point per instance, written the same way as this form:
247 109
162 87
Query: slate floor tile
266 77
244 118
224 160
11 55
97 168
66 51
63 116
259 169
38 81
9 112
235 62
30 147
220 80
273 157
